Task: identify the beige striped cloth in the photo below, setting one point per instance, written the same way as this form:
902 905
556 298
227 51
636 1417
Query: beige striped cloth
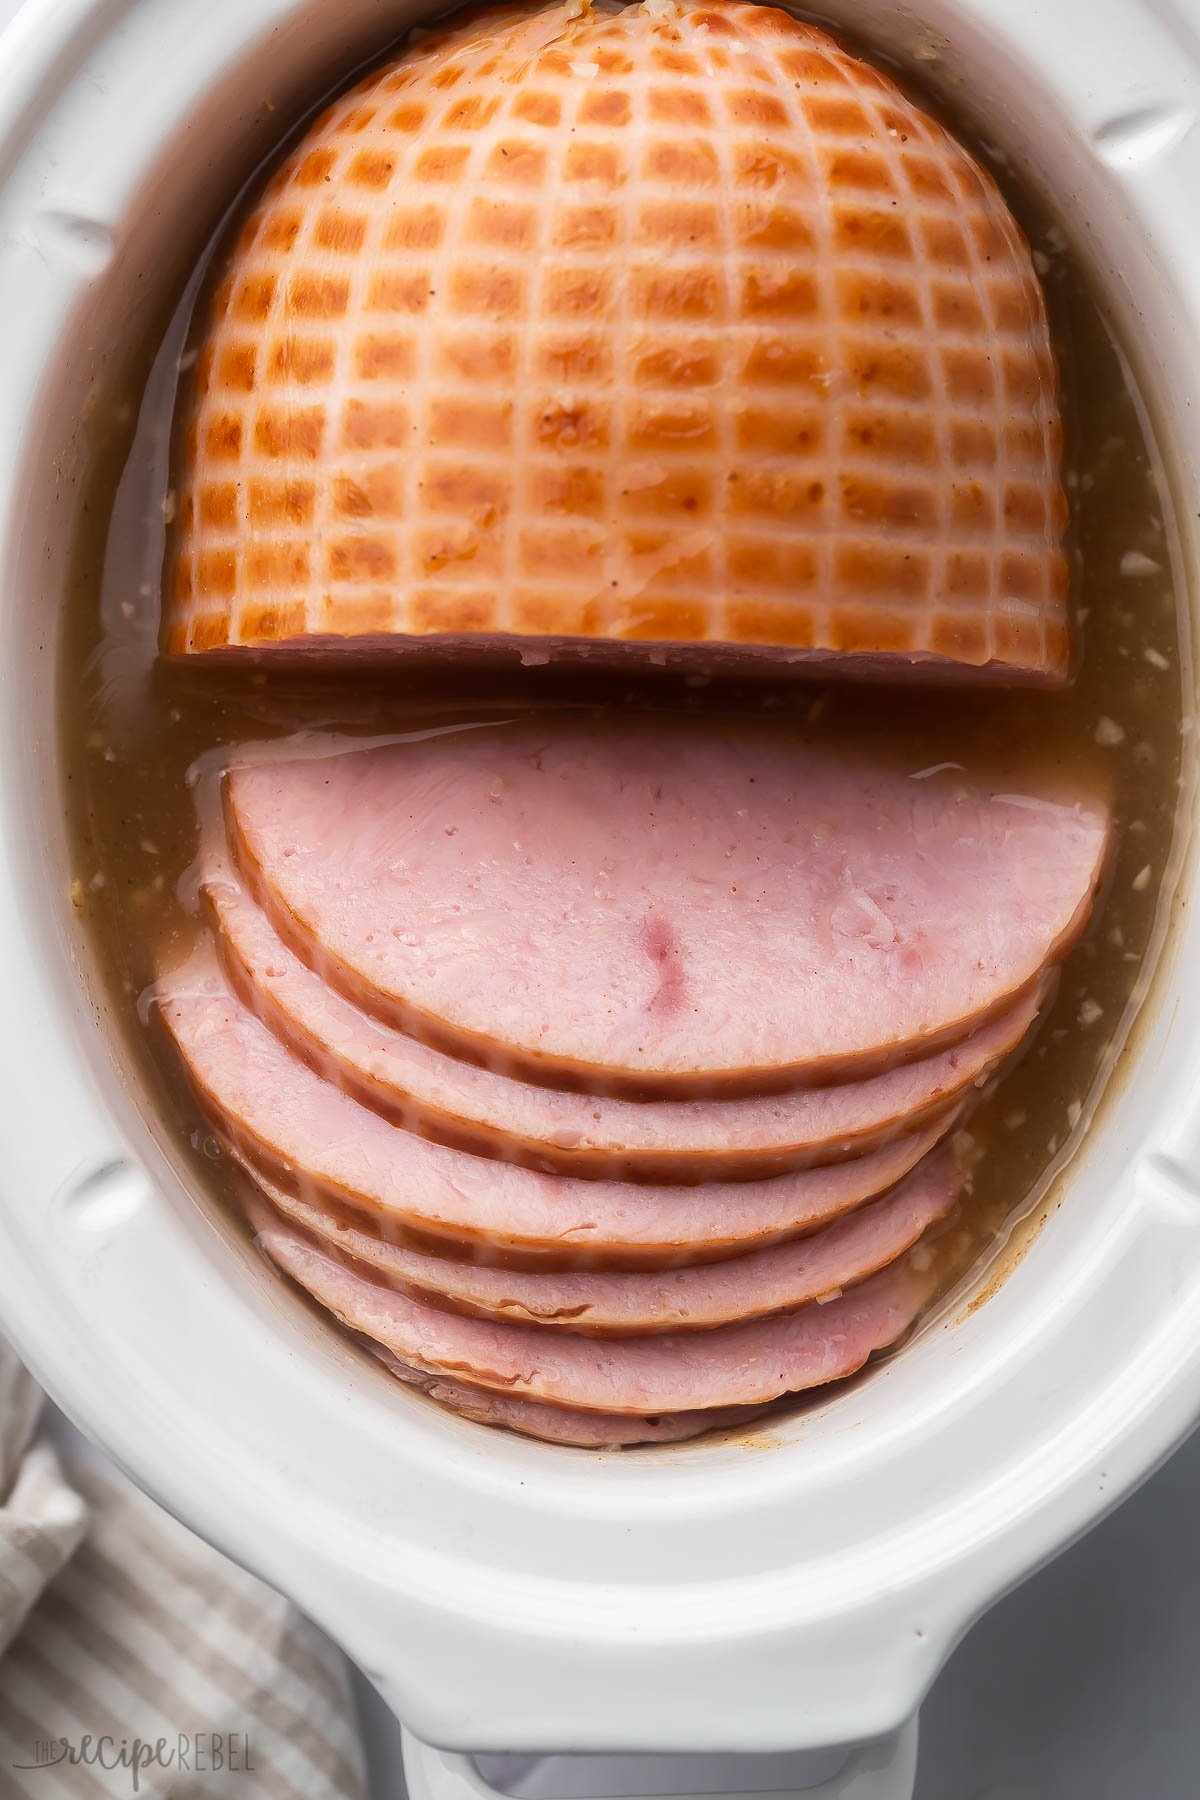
136 1660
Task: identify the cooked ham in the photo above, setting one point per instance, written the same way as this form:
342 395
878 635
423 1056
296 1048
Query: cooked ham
564 1424
459 1103
668 909
733 1365
670 331
297 1129
774 1280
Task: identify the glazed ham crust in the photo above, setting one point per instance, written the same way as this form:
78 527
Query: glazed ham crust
595 328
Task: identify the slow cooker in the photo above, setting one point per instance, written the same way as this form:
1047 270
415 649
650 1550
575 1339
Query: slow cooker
795 1589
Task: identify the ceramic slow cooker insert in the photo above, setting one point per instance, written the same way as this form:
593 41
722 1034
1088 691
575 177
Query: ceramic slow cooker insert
797 1589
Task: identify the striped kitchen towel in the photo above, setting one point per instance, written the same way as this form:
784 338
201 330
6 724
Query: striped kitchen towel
136 1660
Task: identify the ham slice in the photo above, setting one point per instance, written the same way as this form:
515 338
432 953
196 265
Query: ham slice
564 1424
672 332
458 1103
298 1130
774 1280
733 1365
667 910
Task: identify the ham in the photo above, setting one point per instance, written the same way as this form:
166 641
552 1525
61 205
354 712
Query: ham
300 1131
664 333
778 1279
458 1103
563 1424
669 909
673 1372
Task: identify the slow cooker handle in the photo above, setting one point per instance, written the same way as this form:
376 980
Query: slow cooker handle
884 1770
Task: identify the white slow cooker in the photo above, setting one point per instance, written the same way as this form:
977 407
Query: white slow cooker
798 1589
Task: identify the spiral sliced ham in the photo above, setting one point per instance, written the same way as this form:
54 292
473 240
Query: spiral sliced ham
565 1424
289 1123
777 1279
475 1109
580 330
733 1365
666 909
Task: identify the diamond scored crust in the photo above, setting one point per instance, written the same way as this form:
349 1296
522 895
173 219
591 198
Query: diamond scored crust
676 323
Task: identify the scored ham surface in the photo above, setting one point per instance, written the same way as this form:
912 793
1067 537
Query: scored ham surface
667 909
778 1279
291 1125
459 1103
578 330
565 1424
732 1365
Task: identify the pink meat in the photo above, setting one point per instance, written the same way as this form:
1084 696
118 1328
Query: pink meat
564 1424
668 908
734 1365
291 1124
459 1103
774 1280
